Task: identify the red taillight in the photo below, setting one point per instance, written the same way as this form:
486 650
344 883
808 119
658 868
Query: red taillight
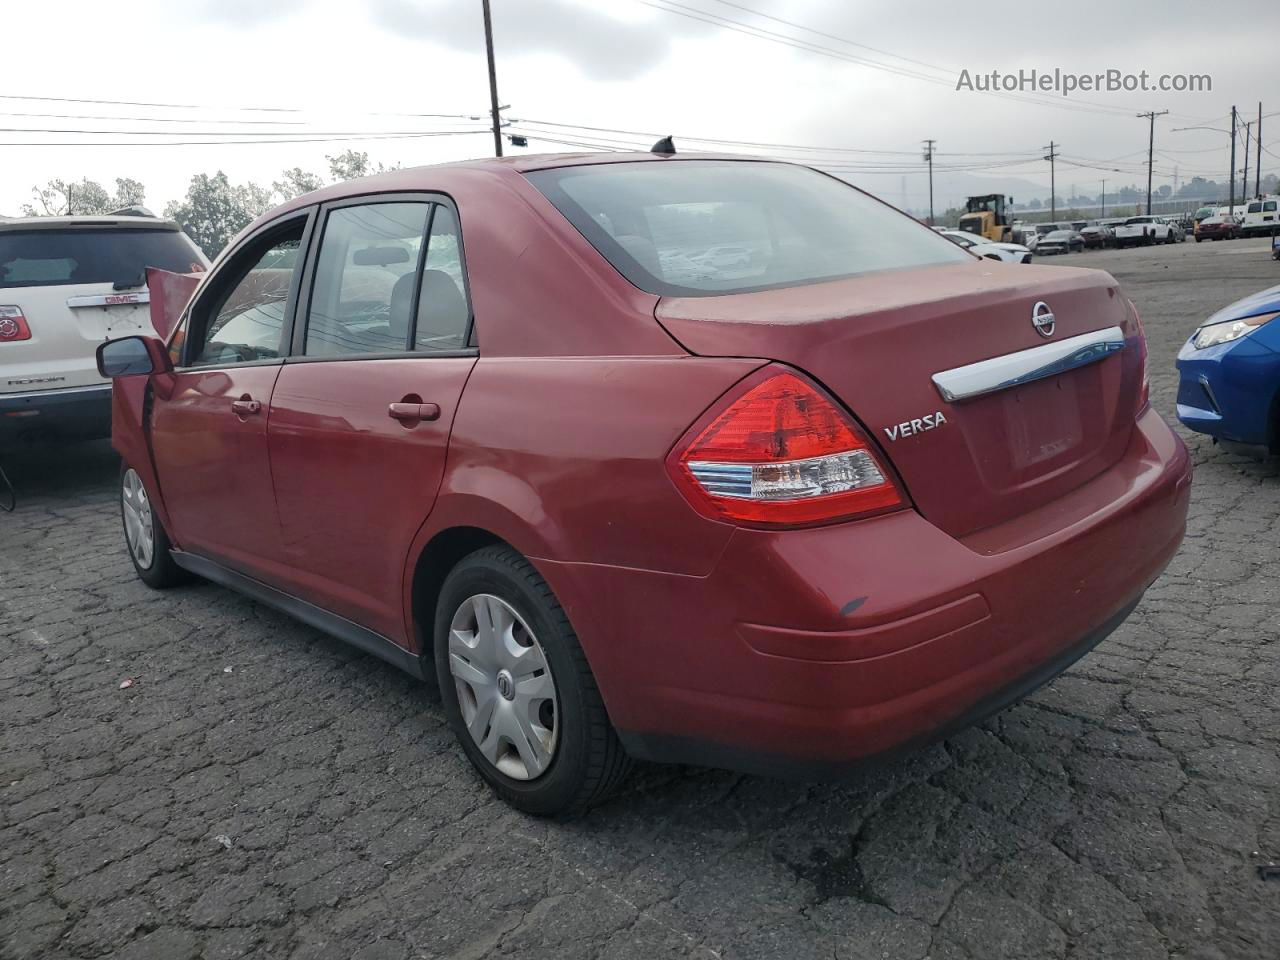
783 453
13 325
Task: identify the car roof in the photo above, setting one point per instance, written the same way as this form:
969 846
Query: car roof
83 222
438 176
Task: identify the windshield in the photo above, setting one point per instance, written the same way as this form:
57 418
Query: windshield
703 227
47 258
1138 220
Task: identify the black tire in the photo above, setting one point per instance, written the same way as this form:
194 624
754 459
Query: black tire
589 761
160 572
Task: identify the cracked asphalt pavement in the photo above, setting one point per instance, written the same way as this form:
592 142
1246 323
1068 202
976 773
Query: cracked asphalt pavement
263 791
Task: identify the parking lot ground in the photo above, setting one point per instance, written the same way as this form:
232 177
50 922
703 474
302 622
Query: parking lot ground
262 791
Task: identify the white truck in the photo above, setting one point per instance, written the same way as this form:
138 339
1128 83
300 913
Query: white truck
1261 217
66 285
1144 231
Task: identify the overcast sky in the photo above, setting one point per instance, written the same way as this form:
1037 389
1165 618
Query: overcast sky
345 69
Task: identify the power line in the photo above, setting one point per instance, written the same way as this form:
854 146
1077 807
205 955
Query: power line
98 116
222 143
229 133
738 26
759 143
225 109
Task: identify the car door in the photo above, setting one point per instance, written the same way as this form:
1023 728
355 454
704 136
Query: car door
362 410
209 424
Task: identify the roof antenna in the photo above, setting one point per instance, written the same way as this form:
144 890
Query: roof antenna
666 146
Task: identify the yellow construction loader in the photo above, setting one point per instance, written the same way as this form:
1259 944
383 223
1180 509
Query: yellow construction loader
988 216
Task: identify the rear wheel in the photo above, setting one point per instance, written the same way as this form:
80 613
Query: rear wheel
144 535
518 691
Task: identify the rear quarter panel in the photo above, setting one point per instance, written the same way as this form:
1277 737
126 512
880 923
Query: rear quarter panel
563 457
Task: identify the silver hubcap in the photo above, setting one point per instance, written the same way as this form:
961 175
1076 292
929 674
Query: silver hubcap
505 688
137 519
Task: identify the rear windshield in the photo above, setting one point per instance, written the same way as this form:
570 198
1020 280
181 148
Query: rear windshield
704 227
50 258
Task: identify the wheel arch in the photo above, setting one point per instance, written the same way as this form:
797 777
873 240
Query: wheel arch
437 557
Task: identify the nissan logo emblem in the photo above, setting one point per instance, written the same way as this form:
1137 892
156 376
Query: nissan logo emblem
1042 319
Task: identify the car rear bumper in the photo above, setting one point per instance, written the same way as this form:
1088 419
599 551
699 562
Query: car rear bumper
809 651
76 412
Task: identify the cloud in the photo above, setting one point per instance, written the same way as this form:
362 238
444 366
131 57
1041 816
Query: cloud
600 46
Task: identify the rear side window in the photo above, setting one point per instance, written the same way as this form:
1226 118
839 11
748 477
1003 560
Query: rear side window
443 313
365 279
704 227
1269 207
49 258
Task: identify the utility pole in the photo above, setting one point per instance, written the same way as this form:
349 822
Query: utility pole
1053 188
928 156
1151 147
1231 180
493 81
1104 200
1257 173
1244 184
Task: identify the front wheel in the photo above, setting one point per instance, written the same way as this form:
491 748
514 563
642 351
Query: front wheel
518 691
145 536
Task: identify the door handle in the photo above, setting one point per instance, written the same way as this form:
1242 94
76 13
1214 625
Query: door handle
413 412
245 406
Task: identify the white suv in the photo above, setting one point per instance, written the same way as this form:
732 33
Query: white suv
66 285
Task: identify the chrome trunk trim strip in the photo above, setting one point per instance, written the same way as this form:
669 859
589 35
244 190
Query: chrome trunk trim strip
1027 366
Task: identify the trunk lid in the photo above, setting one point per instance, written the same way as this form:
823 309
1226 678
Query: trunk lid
875 342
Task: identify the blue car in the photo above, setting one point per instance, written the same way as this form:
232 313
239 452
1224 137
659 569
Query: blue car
1229 370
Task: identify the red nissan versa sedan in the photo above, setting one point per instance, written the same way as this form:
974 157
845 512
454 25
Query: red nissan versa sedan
683 458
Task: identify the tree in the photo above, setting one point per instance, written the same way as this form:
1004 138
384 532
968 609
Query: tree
294 183
215 210
60 198
353 163
129 193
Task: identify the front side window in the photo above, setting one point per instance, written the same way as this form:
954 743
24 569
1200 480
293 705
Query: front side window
705 227
247 322
366 275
